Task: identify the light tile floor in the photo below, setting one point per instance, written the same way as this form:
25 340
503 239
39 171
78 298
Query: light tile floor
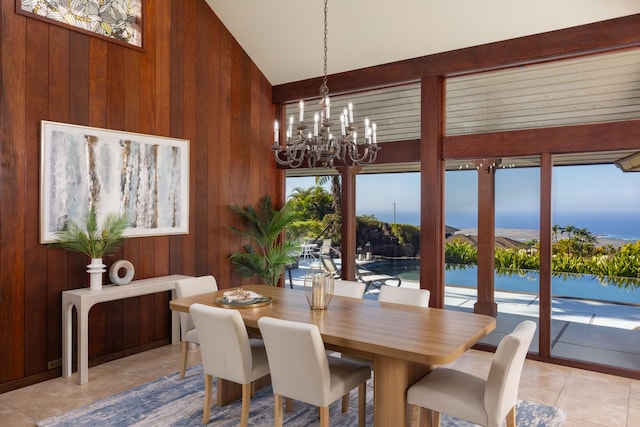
591 399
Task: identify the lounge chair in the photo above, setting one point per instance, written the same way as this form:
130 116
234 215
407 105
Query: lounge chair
369 278
374 280
325 249
330 266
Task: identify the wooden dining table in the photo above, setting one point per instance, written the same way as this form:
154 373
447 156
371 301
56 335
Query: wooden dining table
404 342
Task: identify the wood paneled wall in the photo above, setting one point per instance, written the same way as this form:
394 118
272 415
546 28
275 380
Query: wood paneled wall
192 80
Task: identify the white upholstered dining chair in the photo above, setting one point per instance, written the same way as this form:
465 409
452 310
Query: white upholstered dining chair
462 395
407 296
228 353
186 288
348 288
301 369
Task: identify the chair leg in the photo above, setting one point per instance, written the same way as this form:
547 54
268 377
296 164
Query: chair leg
208 386
415 415
511 417
324 416
288 404
362 404
277 410
435 416
246 401
345 403
183 367
429 414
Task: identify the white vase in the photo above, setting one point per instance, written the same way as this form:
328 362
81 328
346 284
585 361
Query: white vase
95 270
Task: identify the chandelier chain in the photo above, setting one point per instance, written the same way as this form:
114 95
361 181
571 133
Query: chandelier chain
324 89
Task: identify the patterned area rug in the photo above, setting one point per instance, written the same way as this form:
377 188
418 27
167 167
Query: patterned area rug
169 401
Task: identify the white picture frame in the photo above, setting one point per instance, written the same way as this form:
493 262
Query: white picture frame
144 176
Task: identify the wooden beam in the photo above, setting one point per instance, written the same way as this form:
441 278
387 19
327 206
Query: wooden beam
348 233
432 191
609 136
486 236
546 170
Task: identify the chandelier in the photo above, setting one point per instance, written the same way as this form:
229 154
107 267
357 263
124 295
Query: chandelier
316 143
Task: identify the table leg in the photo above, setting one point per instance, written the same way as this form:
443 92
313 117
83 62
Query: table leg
392 378
227 391
67 339
175 322
83 345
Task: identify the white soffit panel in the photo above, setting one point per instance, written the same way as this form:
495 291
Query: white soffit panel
592 89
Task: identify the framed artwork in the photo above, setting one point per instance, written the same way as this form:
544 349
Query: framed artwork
119 20
144 176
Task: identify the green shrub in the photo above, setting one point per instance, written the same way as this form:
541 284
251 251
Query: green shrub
407 235
516 259
460 252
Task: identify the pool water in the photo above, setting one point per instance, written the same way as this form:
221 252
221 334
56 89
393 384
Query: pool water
581 287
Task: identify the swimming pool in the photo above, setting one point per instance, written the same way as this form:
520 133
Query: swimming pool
583 287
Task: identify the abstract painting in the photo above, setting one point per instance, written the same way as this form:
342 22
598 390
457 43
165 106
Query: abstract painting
144 176
119 20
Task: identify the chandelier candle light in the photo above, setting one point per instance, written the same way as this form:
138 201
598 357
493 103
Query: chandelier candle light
320 146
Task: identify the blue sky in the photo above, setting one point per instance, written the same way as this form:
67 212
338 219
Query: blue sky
601 198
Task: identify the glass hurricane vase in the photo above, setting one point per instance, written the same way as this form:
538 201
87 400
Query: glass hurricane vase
318 286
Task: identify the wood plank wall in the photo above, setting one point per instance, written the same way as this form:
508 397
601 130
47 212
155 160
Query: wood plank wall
192 80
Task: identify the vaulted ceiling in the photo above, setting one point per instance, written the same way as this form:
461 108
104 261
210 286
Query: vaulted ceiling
284 37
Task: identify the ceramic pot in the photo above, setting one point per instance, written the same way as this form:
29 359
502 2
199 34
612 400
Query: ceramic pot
95 270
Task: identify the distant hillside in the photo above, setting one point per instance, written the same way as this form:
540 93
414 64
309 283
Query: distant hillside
501 242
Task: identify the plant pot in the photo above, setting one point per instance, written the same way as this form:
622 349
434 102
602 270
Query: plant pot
95 270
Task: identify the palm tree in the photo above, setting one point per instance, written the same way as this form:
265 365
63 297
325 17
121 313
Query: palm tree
311 203
270 255
336 190
569 229
334 219
555 229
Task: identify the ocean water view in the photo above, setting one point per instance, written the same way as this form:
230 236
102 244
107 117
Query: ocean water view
570 286
623 226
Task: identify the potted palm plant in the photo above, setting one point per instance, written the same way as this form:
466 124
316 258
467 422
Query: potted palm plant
94 241
268 254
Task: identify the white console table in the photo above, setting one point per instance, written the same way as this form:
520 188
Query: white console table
83 299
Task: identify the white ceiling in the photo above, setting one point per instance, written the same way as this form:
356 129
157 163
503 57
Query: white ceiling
284 37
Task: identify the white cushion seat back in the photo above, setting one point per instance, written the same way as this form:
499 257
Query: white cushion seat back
227 352
349 288
301 369
189 287
501 392
407 296
186 288
462 395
